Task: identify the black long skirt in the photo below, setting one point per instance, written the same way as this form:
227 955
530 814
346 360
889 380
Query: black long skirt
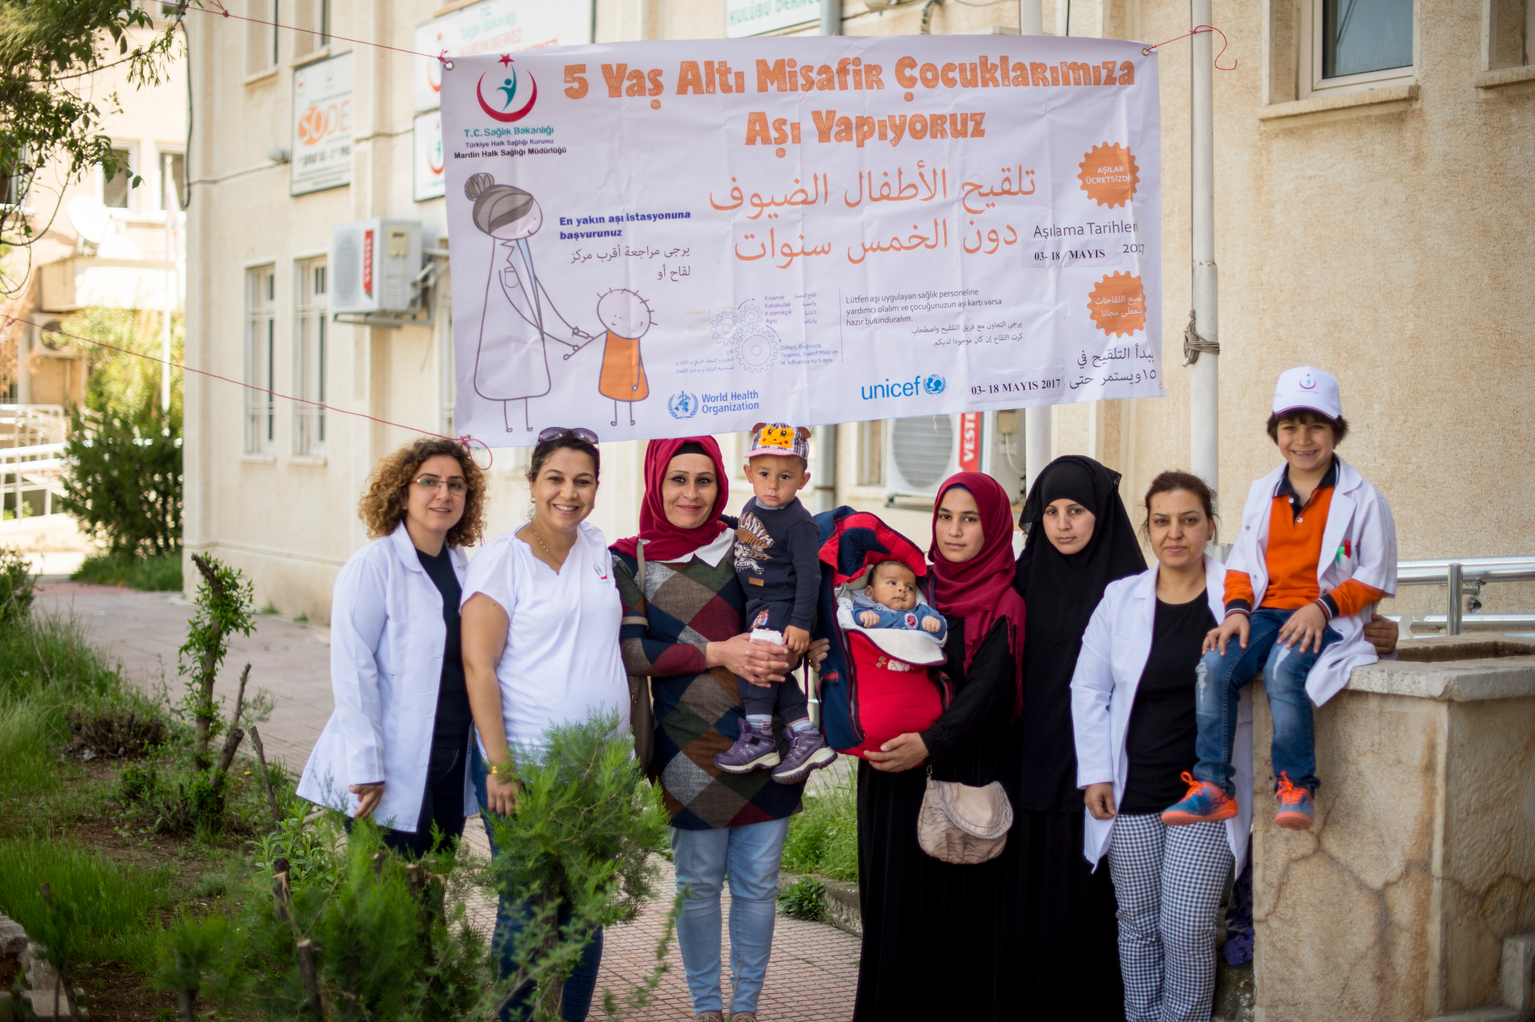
1059 945
930 929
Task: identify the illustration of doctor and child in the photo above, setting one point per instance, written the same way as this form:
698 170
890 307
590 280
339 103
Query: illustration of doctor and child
511 362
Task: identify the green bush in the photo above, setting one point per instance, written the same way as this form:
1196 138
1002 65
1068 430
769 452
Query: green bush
101 909
824 838
150 574
123 481
17 585
804 899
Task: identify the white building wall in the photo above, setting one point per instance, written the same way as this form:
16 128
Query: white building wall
1377 236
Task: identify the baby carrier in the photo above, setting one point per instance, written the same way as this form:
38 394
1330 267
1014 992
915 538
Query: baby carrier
876 683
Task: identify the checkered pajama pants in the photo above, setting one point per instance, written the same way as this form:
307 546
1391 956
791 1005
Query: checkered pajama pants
1169 882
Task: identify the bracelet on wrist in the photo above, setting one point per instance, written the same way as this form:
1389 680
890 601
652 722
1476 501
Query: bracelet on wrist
500 769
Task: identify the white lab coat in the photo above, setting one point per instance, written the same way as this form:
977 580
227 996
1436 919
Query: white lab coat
1359 515
1113 658
386 648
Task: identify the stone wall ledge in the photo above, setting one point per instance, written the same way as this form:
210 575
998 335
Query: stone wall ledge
1504 76
1463 681
1339 101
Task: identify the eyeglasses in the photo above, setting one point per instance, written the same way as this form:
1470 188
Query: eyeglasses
432 484
555 432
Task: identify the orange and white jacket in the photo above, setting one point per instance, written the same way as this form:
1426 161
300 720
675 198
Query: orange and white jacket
1359 543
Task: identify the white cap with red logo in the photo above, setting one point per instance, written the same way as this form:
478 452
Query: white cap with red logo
1308 387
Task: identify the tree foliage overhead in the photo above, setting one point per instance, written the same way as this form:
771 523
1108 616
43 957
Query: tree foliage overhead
48 51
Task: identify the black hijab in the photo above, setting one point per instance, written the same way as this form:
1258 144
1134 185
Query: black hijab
1060 592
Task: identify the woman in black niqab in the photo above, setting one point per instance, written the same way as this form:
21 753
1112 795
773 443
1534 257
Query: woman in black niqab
1062 958
1061 592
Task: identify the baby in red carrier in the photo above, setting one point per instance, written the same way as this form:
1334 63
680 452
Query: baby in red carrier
894 640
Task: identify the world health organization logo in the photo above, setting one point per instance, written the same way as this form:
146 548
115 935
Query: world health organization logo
682 405
934 384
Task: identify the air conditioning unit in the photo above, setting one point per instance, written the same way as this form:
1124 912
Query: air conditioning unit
374 263
923 451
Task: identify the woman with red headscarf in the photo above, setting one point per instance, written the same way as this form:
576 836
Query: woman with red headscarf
682 629
929 927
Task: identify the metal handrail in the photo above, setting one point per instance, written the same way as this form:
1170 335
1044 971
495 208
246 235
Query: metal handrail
1465 577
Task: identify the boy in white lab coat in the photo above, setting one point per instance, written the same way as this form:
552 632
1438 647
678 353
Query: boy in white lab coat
1317 550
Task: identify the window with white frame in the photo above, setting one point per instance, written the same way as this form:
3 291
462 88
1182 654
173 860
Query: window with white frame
871 453
1510 33
1355 44
260 358
173 179
117 191
312 19
261 40
309 363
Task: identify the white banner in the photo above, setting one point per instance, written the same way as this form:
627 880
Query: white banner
322 126
660 239
494 26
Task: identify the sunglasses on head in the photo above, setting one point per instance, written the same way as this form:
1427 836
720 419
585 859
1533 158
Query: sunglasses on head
556 432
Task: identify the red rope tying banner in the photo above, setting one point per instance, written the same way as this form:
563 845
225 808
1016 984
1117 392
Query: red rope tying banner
219 8
465 439
1195 31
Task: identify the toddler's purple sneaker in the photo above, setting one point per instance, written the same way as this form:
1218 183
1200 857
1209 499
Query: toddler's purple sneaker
1204 802
807 751
753 750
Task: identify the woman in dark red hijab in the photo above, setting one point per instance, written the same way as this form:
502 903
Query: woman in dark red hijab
930 928
683 631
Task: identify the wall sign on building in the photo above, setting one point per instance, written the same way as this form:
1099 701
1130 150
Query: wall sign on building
322 126
660 239
427 179
494 26
753 17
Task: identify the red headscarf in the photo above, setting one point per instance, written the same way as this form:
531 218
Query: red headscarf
981 589
663 540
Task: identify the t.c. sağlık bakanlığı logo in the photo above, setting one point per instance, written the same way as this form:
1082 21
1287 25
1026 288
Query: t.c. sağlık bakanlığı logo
502 100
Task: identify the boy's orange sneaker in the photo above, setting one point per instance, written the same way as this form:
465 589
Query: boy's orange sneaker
1203 803
1295 808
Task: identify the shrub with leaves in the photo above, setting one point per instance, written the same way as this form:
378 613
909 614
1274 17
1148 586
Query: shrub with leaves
804 899
17 585
225 606
583 838
371 935
123 481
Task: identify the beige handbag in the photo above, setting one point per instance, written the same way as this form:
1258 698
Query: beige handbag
961 823
642 716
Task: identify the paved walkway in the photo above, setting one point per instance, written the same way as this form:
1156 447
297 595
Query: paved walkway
814 967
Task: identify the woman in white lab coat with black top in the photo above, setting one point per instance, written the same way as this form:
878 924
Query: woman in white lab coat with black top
1132 705
397 745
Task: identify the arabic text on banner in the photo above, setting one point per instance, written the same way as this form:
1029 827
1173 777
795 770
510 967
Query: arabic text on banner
660 239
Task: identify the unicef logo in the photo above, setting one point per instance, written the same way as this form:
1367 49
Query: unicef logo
682 405
934 384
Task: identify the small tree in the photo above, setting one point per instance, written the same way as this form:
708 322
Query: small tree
582 840
225 606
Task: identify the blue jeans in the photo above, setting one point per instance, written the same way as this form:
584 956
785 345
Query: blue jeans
511 917
749 855
1220 678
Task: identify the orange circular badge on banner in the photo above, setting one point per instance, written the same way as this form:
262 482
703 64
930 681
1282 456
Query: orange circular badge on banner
1109 175
1118 304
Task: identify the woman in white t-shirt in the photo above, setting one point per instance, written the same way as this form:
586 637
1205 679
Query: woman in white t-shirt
540 641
